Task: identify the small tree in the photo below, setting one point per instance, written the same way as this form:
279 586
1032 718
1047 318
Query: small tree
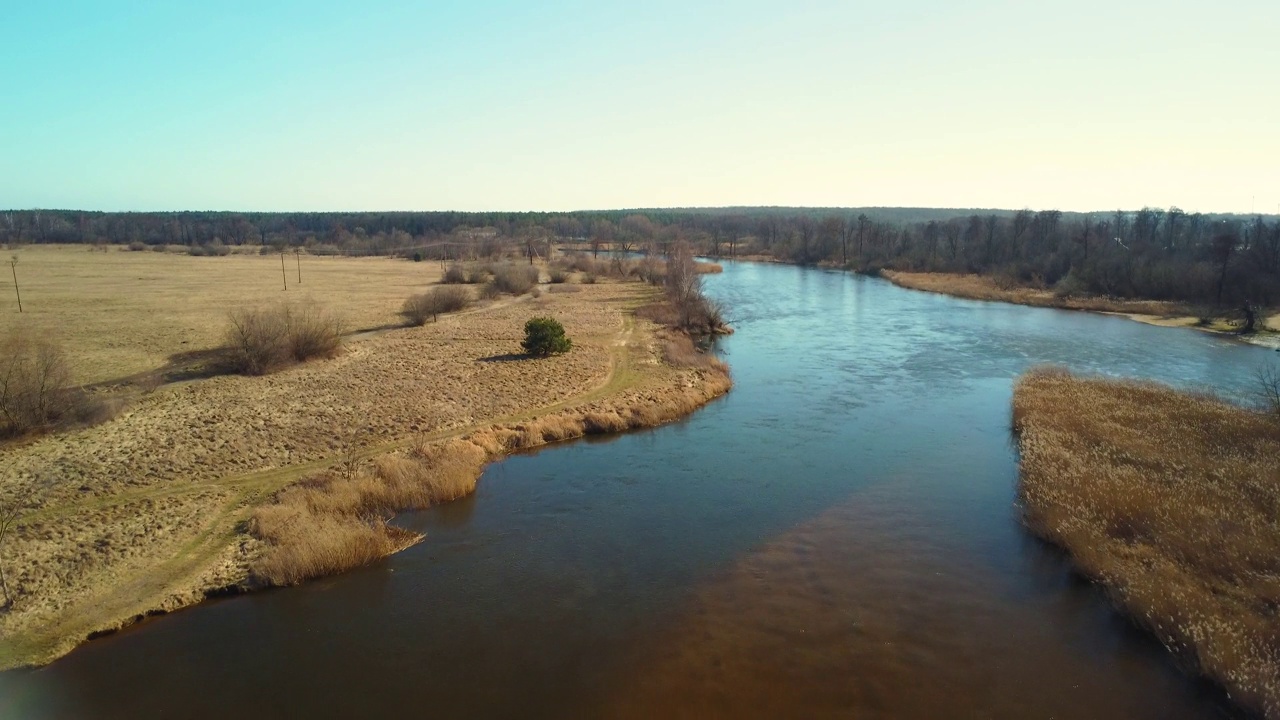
544 336
1268 389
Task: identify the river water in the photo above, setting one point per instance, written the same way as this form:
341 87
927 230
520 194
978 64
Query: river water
838 537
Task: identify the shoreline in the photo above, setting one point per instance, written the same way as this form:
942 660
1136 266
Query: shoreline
1157 313
204 550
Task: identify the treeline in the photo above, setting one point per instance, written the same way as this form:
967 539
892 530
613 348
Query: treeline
1161 254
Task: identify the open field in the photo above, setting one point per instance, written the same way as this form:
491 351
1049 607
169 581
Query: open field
148 512
1171 502
118 313
1153 312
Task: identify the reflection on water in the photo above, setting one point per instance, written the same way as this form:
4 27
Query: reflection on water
838 536
865 611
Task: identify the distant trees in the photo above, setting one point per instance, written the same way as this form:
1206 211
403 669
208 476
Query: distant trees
1163 254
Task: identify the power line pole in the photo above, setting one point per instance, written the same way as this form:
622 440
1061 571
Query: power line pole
13 267
283 277
297 255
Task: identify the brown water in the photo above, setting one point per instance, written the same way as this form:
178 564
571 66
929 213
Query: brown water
836 538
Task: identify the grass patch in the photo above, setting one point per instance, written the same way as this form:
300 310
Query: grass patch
1171 502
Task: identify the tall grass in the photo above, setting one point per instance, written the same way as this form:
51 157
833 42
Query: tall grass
1171 501
338 520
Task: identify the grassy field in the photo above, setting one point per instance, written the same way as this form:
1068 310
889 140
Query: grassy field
1153 312
119 313
149 511
1171 502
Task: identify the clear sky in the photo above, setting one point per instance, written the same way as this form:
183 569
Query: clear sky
560 105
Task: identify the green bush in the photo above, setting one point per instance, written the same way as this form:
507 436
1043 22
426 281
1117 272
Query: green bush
544 336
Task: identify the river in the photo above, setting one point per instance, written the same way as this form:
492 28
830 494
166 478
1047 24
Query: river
838 537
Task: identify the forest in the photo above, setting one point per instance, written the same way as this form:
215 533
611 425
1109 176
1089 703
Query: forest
1215 260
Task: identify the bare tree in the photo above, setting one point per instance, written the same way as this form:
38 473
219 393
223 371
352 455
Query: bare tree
33 381
1222 248
1268 389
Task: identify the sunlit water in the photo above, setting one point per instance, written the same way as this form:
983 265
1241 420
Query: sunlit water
837 537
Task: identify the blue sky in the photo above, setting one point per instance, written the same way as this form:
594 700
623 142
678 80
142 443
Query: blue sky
574 105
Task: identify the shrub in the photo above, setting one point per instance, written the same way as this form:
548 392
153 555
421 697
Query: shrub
544 336
137 246
1069 286
454 275
33 382
433 303
417 257
589 278
515 279
559 276
260 340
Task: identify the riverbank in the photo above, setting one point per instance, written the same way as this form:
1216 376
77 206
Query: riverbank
1151 312
1169 501
151 511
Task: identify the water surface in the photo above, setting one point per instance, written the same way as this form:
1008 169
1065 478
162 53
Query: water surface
837 537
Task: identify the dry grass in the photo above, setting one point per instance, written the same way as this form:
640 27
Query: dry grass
337 520
1172 502
982 287
121 313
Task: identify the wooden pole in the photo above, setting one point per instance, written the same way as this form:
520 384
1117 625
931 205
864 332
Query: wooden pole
283 278
297 255
13 267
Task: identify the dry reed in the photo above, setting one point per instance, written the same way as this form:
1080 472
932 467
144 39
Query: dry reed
338 520
1002 289
1171 501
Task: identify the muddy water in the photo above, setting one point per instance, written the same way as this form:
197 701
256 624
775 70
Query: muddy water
836 538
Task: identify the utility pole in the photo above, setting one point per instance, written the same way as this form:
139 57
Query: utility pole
13 267
297 255
283 278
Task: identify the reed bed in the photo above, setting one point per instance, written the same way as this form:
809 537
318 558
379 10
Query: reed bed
1171 501
981 287
338 519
